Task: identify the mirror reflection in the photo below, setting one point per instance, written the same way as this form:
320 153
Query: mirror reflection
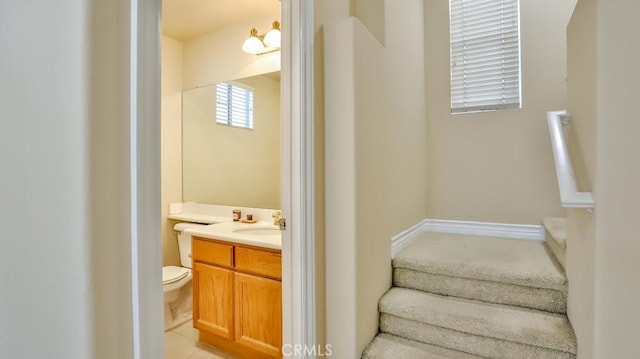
231 142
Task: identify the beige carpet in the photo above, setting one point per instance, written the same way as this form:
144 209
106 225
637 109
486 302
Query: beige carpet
556 237
483 346
493 292
499 322
391 346
557 228
462 296
503 260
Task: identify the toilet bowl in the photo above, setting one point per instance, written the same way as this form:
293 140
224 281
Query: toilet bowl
176 281
174 278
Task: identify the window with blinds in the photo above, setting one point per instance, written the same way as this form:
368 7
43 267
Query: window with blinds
485 55
234 105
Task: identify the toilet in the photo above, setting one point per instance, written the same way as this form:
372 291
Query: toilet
176 281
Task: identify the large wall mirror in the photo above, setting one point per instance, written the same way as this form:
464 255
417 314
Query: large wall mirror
231 142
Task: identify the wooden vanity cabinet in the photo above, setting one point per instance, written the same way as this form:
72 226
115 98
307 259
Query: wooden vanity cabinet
237 297
213 299
258 313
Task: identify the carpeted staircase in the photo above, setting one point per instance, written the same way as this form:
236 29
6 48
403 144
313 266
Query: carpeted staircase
462 296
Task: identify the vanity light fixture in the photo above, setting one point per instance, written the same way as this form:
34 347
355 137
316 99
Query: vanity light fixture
262 44
272 38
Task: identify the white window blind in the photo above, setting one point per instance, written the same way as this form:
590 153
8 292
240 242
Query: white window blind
234 105
485 55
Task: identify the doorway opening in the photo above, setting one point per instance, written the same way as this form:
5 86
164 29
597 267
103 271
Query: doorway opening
296 161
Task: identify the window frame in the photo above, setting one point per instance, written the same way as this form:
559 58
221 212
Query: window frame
248 123
459 105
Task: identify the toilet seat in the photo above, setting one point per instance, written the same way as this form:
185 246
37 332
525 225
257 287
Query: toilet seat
172 274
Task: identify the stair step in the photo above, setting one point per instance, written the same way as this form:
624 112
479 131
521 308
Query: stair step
387 346
488 330
492 292
503 260
556 237
495 270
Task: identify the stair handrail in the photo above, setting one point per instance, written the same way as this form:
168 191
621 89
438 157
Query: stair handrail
570 197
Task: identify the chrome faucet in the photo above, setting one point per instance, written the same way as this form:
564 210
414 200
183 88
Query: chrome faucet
277 218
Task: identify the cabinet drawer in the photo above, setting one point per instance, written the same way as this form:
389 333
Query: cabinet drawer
259 262
212 252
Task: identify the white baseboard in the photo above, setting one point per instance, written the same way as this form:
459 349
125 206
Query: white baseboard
403 239
515 231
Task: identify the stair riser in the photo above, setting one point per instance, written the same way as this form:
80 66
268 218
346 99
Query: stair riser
558 252
500 293
464 342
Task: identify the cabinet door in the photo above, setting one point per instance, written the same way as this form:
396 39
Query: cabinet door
258 313
213 300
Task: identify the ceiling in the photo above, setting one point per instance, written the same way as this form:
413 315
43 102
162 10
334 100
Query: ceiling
186 19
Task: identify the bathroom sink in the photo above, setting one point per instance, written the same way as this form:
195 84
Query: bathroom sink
258 231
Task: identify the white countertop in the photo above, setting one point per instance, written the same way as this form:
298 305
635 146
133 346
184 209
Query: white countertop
225 232
198 218
212 213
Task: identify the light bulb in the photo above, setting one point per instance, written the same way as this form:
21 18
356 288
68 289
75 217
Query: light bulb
253 45
273 37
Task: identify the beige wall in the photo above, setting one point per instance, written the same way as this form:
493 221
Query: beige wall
44 148
496 166
371 14
581 246
227 165
580 268
218 56
375 155
325 11
617 178
340 216
603 248
171 143
65 140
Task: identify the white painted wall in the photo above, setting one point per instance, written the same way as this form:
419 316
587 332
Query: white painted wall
496 166
375 152
171 143
228 165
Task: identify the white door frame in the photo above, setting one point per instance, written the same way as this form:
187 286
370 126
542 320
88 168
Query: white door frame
298 242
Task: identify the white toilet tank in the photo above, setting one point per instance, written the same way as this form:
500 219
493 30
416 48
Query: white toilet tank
184 241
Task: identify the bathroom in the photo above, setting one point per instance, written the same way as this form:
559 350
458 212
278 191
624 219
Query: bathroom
216 160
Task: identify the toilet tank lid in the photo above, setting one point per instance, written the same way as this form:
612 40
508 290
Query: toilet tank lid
182 226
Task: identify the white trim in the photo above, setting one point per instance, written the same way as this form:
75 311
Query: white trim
144 116
298 242
307 34
569 195
133 167
402 240
505 230
487 229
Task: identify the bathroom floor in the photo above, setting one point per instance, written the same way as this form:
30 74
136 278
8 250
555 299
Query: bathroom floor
182 343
